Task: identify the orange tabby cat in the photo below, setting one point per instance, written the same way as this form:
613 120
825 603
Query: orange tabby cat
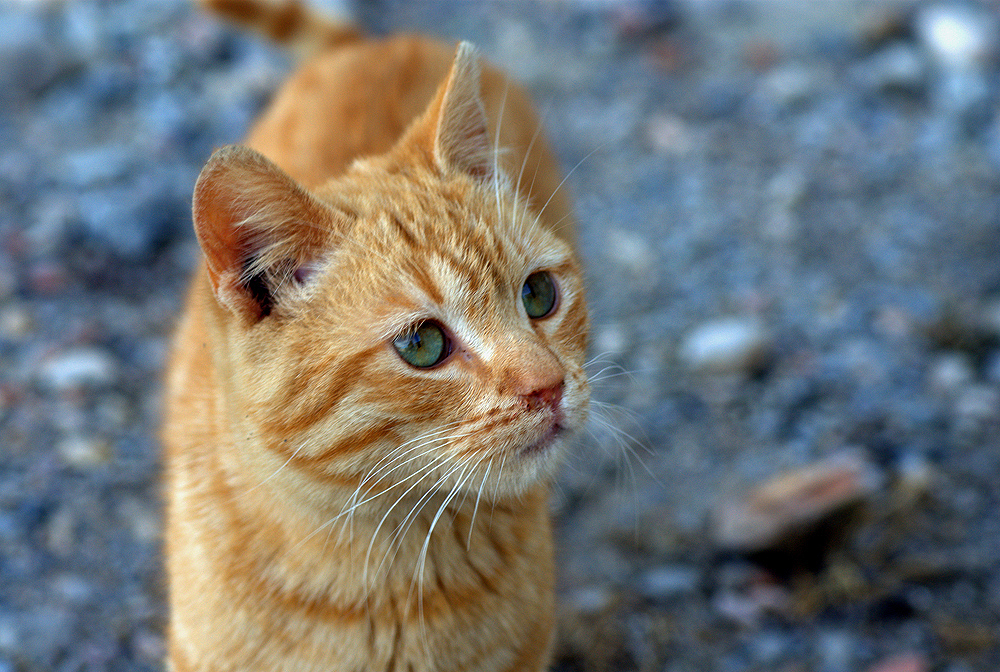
376 373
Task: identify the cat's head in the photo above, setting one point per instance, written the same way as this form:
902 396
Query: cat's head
409 324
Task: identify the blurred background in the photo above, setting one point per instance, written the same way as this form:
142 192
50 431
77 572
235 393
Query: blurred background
789 216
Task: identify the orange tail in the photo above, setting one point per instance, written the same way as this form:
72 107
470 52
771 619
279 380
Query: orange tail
287 22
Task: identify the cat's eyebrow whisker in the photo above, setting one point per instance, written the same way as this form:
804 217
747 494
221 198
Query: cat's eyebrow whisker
572 170
496 151
527 153
563 222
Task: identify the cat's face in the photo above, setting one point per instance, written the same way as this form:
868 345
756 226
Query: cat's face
441 339
409 327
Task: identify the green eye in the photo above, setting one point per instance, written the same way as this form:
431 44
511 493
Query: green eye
423 346
539 294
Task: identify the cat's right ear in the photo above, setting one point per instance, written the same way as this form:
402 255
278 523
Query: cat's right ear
256 226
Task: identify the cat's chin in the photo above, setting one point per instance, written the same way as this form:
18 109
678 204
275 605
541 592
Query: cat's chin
539 460
546 443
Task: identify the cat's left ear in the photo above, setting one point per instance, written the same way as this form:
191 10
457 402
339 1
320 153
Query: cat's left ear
461 139
257 227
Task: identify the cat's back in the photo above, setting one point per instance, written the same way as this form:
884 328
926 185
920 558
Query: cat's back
348 102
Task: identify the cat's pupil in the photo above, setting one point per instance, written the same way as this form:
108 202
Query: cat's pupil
423 346
538 294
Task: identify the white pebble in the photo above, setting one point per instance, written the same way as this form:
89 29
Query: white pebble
631 251
898 66
669 581
83 452
788 86
77 368
951 373
589 599
959 36
669 134
726 345
978 402
15 322
611 339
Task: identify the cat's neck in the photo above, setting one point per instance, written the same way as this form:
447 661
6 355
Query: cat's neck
352 550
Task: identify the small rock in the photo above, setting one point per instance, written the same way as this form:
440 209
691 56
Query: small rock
787 86
641 19
669 134
978 402
589 600
836 651
898 67
785 192
991 317
727 345
83 452
664 583
95 166
991 369
631 251
951 372
770 646
80 367
15 322
61 532
963 94
761 56
143 520
47 277
611 339
113 412
904 662
792 502
895 322
73 589
748 607
51 218
10 634
8 275
914 479
959 35
148 646
128 224
28 62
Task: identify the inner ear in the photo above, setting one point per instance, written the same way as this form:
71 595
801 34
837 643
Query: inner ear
461 135
257 228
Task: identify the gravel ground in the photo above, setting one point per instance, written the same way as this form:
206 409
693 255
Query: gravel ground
789 213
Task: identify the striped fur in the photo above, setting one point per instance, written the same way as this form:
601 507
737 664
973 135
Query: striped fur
330 507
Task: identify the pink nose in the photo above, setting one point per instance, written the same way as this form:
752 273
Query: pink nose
549 396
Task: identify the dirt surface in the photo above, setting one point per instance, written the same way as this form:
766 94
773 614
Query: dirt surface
789 216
